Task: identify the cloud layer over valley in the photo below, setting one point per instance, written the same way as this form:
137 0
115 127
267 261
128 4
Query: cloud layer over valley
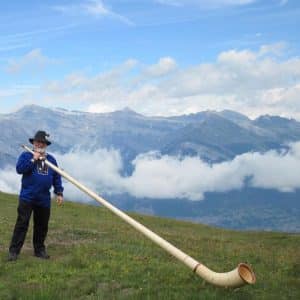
164 177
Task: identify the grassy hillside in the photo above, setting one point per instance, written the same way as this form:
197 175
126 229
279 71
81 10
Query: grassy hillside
94 255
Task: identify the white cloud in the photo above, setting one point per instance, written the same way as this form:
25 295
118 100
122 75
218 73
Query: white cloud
98 170
94 8
171 177
165 66
158 176
238 80
33 60
9 180
111 87
251 82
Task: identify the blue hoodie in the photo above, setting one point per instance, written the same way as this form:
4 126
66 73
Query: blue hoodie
38 179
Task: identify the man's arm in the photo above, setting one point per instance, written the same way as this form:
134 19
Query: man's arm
57 184
25 163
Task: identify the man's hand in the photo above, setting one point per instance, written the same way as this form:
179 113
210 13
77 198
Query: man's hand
59 200
36 155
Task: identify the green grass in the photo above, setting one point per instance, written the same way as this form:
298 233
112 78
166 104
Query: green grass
95 255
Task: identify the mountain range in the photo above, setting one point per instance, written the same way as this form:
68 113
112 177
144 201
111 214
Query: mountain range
213 136
210 135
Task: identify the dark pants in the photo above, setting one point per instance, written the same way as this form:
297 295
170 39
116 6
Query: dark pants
41 217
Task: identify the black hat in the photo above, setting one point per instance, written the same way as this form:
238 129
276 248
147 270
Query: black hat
40 136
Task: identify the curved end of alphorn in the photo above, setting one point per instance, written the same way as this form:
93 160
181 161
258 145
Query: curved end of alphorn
240 276
246 273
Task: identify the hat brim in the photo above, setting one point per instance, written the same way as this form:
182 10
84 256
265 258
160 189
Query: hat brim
31 140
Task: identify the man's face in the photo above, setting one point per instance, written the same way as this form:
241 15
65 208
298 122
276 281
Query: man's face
39 146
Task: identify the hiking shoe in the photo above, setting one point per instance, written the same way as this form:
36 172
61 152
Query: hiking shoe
42 254
12 256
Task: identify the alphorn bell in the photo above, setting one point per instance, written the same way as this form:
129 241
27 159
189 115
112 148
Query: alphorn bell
241 275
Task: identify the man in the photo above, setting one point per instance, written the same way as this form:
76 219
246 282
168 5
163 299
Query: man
37 180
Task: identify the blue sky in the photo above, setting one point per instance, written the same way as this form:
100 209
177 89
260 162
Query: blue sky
158 57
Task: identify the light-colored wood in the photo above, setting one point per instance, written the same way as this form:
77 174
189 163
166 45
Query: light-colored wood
240 276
